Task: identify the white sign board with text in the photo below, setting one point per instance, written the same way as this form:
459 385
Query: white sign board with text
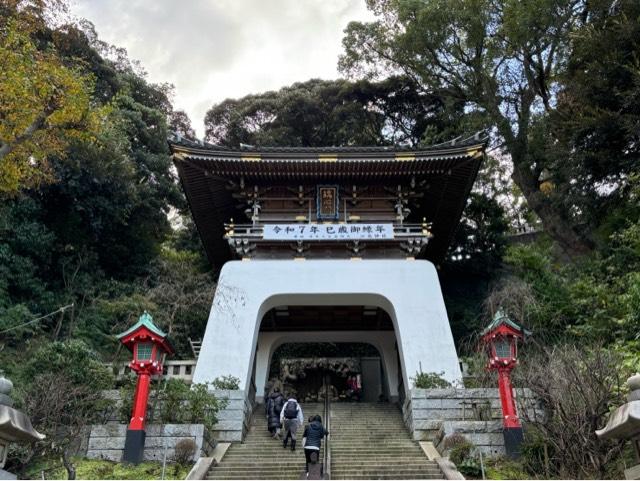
328 232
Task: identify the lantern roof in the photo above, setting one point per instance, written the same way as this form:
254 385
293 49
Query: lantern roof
145 320
501 319
145 324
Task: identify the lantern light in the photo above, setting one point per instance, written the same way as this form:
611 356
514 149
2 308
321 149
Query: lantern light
500 340
149 345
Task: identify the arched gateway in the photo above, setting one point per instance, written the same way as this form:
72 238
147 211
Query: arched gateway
327 245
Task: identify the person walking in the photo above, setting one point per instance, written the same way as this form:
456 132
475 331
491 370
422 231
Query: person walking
312 437
274 408
291 417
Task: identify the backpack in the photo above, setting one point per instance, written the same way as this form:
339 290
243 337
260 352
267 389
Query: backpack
290 410
278 404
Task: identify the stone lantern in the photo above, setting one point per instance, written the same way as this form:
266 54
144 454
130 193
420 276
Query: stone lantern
500 339
149 346
15 426
624 423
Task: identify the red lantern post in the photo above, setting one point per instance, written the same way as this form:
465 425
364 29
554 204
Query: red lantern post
149 346
501 343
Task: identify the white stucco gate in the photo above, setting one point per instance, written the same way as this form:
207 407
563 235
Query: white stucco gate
408 290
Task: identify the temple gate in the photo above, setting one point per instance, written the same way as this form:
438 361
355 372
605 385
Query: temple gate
327 245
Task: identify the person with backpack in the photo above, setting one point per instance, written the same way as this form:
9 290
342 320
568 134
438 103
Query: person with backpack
274 408
291 417
312 437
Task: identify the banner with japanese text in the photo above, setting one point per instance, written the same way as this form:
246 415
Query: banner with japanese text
328 231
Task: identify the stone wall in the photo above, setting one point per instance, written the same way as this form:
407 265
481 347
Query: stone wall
106 441
234 420
432 414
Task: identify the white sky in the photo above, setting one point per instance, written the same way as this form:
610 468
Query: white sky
216 49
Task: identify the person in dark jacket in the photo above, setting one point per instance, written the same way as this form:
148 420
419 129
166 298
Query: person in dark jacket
312 437
274 406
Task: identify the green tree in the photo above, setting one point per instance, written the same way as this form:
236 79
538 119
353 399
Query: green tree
182 291
500 58
43 104
594 148
64 383
337 112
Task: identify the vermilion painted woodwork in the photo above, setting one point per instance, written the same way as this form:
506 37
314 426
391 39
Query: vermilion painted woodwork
145 332
509 413
138 415
500 331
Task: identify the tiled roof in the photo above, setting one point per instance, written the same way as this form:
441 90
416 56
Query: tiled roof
147 321
446 171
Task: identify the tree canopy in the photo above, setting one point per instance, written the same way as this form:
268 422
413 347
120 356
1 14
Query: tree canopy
43 105
506 60
335 112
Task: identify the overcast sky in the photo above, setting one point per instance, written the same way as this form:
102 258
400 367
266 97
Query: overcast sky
215 49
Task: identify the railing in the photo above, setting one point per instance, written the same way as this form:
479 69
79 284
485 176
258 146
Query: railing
171 370
327 420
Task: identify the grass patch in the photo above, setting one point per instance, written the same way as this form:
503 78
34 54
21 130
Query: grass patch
101 469
502 468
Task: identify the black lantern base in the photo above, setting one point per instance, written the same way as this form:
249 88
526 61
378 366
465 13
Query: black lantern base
134 446
513 438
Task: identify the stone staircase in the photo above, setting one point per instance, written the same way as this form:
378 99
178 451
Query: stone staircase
370 441
260 456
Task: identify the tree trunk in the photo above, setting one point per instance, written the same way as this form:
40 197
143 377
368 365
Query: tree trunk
68 465
554 219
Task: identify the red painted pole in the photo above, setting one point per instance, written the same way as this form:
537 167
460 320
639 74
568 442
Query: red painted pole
509 412
140 399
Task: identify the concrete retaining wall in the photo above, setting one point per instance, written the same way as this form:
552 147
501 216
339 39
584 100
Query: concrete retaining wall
432 414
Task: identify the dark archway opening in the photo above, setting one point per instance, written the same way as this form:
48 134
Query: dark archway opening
345 371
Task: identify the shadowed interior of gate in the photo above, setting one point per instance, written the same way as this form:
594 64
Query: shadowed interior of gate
302 346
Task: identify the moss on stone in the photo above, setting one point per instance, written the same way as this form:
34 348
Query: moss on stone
101 469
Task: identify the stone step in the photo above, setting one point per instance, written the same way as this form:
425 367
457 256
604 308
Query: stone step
258 469
386 461
388 471
373 465
289 475
363 450
391 474
371 442
242 474
261 462
380 427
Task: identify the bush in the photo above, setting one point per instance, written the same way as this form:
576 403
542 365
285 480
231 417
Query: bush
172 397
461 453
504 468
203 406
75 360
430 380
127 390
176 402
453 440
185 450
577 386
460 447
470 467
226 382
